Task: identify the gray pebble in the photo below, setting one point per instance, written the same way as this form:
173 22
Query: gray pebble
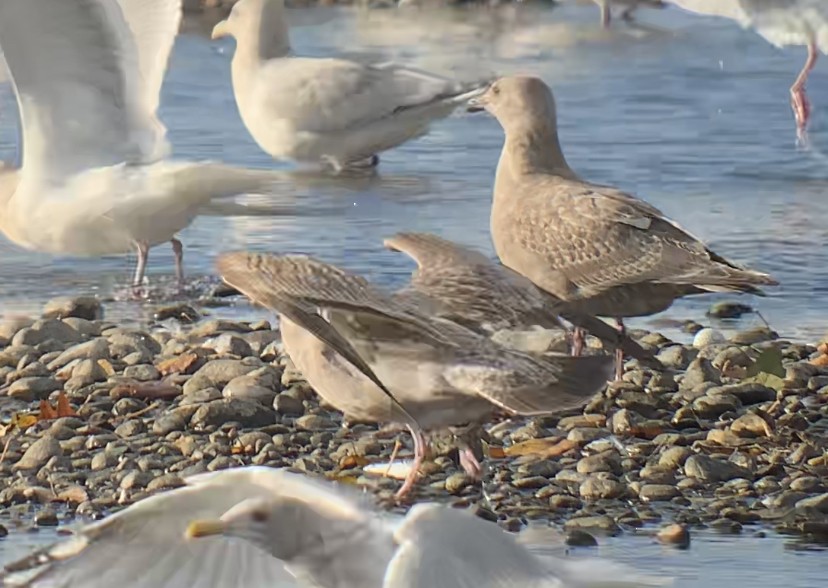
39 453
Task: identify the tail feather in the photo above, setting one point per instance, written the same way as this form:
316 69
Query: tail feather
578 380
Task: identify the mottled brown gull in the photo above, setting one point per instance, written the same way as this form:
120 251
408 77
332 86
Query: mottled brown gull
94 179
461 284
379 360
258 527
604 251
326 110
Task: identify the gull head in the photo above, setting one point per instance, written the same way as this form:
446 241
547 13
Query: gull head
517 101
272 524
260 22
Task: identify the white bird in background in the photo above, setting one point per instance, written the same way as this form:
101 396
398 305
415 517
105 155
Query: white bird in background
630 6
259 527
93 180
781 23
327 110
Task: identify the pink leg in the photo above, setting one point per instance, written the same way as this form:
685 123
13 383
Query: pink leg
419 455
619 355
178 252
606 14
578 337
140 268
799 100
470 464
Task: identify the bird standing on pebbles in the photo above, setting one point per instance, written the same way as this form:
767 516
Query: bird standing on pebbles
605 252
379 360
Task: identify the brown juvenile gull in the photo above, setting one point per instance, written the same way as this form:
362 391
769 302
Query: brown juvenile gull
463 285
260 527
323 109
378 360
604 251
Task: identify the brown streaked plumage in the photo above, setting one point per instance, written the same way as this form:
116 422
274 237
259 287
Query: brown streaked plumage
604 251
437 372
463 285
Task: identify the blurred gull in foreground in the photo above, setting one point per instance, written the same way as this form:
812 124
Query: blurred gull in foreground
94 179
603 251
258 527
781 23
326 110
377 359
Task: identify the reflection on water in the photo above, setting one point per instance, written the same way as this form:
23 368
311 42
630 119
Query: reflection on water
689 112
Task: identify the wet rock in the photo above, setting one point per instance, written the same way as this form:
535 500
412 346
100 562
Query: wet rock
817 503
93 350
183 313
313 422
658 492
748 393
135 479
729 310
166 424
674 457
675 534
165 482
708 407
46 518
596 523
701 371
29 389
46 330
38 453
220 372
750 425
607 461
456 483
288 405
676 356
579 538
244 412
89 372
142 373
709 469
82 307
595 487
230 344
754 336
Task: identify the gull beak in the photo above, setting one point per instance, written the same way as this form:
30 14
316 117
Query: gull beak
198 529
220 30
475 105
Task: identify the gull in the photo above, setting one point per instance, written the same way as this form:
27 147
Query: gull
605 252
378 360
259 527
780 23
327 110
461 284
94 178
630 6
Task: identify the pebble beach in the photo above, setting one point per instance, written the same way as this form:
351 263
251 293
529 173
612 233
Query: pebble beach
108 414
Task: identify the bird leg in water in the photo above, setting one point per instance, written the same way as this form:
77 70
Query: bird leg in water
619 354
799 100
178 253
419 456
138 280
578 340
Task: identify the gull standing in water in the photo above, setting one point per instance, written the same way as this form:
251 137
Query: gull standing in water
605 252
781 23
94 179
259 527
379 360
327 110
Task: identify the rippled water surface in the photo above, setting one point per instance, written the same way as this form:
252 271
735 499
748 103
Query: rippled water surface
691 113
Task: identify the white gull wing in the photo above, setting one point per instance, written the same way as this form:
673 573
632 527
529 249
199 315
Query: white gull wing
154 25
75 70
445 547
144 546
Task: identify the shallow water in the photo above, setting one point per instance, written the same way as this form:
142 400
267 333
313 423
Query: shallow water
712 561
689 112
